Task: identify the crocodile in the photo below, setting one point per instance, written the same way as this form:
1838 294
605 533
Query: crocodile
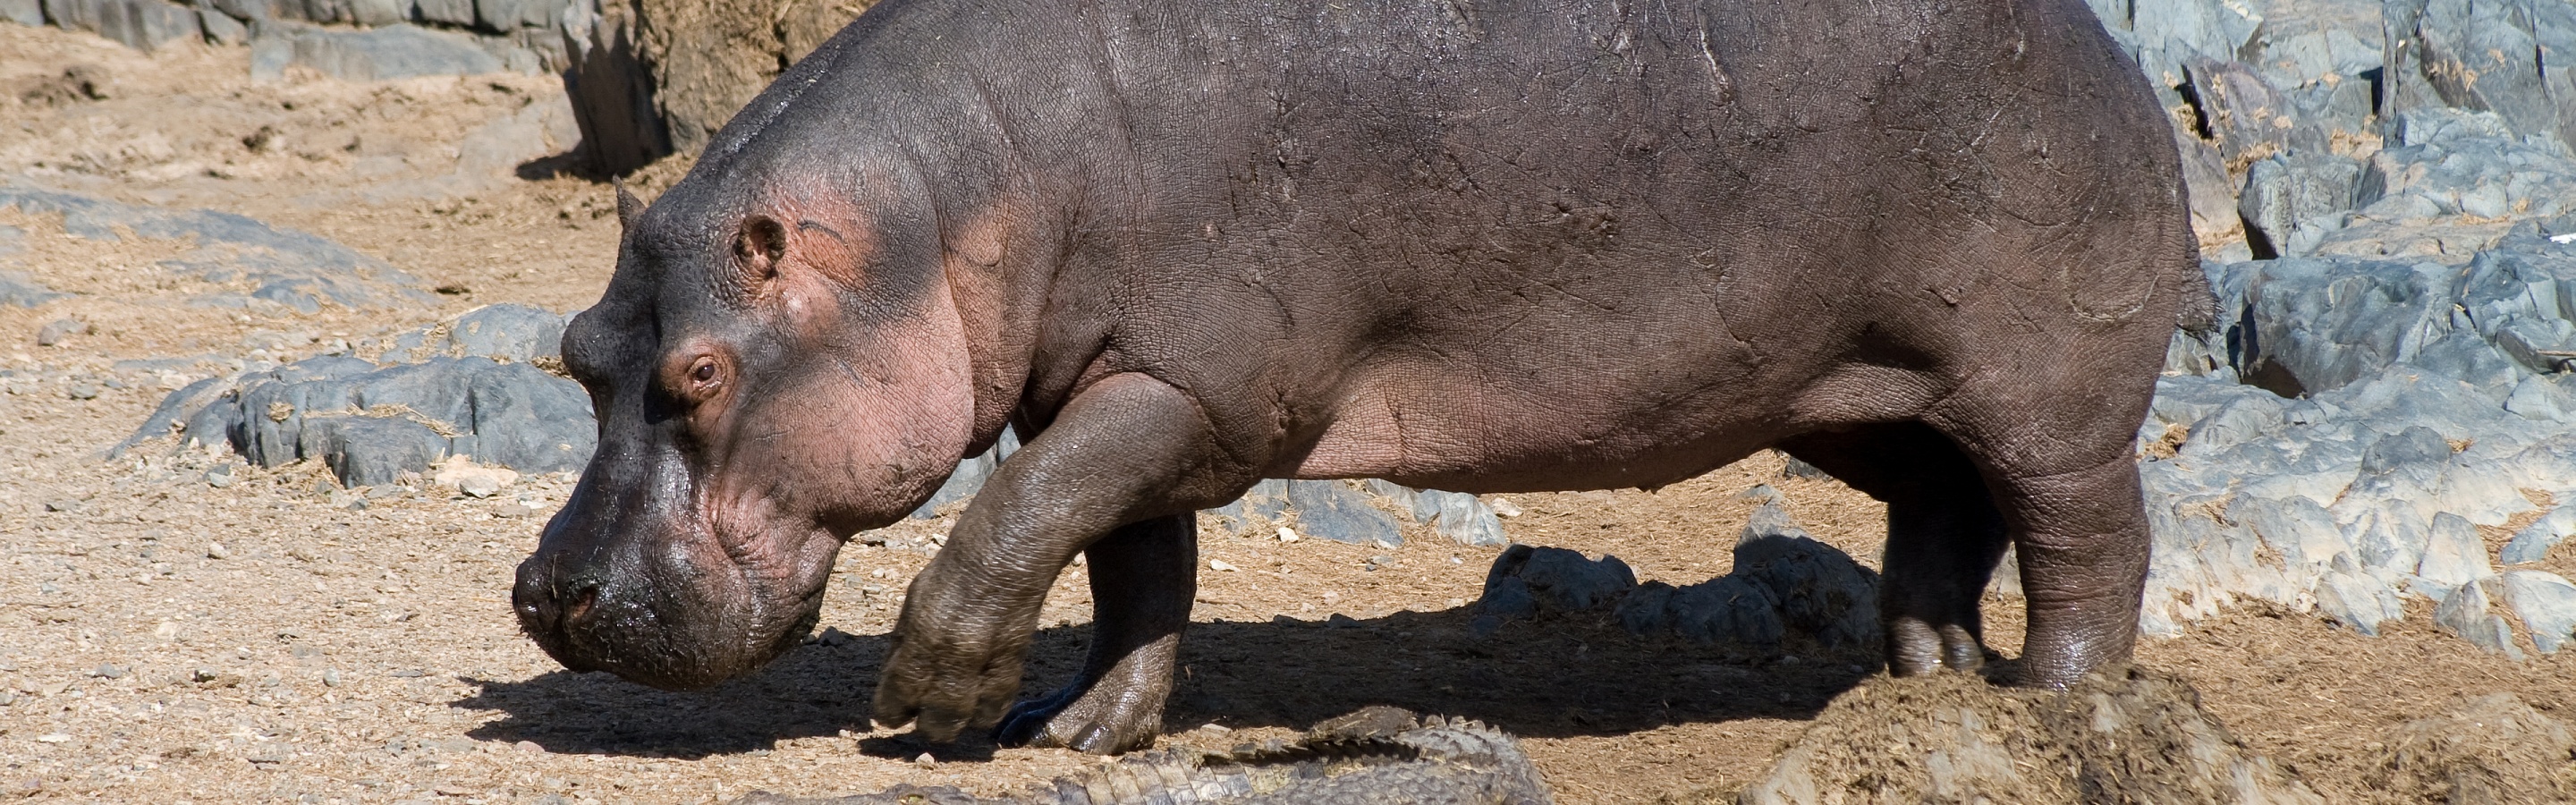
1376 755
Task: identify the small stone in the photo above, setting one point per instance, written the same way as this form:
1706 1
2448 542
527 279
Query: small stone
512 509
216 550
473 479
63 505
1381 560
1287 534
53 738
529 747
220 477
108 672
60 330
1221 565
408 673
82 391
331 677
1503 507
926 761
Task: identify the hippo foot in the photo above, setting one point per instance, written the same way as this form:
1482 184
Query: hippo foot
1916 648
1083 717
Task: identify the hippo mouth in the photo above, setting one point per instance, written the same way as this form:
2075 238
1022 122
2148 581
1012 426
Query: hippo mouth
671 619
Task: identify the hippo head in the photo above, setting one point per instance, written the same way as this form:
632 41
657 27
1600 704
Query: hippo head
777 364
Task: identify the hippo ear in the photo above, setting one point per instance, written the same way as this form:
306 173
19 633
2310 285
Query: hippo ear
627 207
759 247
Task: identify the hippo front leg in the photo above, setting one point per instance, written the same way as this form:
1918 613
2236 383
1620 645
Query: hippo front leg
1130 455
1143 579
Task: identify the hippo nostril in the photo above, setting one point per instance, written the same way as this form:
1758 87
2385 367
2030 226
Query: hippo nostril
579 609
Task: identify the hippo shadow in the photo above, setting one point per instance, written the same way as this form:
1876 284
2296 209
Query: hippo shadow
1559 675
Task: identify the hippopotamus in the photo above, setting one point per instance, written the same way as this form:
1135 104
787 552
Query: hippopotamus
1936 248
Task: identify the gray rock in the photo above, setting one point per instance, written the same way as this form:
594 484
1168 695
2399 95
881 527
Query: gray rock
1338 511
2238 110
528 420
1507 597
367 422
2317 324
2536 397
502 16
292 269
1560 580
2545 603
2450 162
969 476
457 13
221 28
510 333
60 330
367 450
2470 54
2291 202
2165 34
395 51
29 13
1727 610
1461 517
1818 589
1266 502
2464 613
1646 610
2532 543
2455 555
269 57
18 289
140 24
611 89
2358 600
377 13
2295 528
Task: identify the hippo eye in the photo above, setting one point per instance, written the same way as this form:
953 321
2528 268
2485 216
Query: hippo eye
704 373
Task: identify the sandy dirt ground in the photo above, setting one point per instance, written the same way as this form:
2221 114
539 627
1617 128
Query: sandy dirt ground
166 640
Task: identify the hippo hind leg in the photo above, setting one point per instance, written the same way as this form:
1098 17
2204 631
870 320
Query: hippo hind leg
1143 580
1944 536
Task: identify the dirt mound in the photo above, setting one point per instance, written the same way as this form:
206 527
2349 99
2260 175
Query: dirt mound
2491 749
2121 735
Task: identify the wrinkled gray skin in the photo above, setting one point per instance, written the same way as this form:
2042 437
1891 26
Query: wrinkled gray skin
1935 247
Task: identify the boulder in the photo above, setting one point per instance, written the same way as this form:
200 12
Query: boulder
1560 580
371 423
1819 590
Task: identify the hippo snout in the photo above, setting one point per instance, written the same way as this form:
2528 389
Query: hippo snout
552 607
641 600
